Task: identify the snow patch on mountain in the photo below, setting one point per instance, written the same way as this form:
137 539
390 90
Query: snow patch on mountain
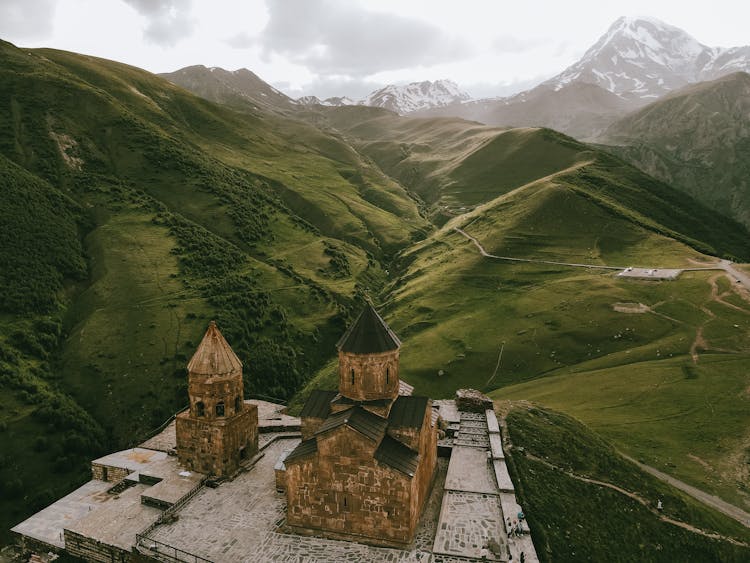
416 96
402 99
642 57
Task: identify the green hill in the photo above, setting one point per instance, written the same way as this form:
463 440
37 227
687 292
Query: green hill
471 321
697 139
584 502
136 212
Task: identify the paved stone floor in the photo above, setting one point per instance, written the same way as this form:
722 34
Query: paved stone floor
470 471
468 522
47 525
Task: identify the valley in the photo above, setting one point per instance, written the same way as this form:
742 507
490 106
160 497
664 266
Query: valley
135 212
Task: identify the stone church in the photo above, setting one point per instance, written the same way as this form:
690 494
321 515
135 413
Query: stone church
368 455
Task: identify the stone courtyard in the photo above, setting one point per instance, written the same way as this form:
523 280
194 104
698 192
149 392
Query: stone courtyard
243 519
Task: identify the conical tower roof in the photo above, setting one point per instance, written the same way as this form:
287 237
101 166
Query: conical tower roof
369 334
214 355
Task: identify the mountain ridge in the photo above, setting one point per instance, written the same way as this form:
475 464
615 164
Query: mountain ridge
697 139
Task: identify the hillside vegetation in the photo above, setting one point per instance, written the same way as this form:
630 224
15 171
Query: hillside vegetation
472 321
584 502
135 212
696 139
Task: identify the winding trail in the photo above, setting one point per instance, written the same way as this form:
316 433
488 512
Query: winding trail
713 501
486 254
725 265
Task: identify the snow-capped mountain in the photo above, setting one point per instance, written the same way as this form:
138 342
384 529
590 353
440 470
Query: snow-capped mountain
334 101
416 96
644 58
402 99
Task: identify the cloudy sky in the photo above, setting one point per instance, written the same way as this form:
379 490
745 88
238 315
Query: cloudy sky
350 47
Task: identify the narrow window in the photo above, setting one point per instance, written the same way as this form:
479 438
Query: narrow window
200 409
387 375
220 408
346 505
352 376
237 405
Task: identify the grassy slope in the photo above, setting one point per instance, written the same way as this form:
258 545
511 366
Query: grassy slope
455 310
572 520
184 211
453 164
46 437
697 140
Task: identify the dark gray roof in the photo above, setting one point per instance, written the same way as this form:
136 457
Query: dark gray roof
318 404
361 420
393 453
368 334
408 412
341 400
303 448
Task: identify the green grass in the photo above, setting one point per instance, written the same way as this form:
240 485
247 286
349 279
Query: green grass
141 212
688 420
155 211
572 520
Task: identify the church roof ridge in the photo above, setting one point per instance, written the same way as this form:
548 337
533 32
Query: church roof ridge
368 334
214 355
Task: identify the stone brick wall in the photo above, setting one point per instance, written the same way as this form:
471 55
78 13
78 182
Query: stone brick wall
108 473
309 426
409 436
212 390
91 550
343 492
215 447
375 375
427 461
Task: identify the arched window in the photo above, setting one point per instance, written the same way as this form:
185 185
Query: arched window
200 409
220 408
352 376
387 375
237 404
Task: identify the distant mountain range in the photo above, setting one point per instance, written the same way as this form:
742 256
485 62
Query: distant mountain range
403 99
635 62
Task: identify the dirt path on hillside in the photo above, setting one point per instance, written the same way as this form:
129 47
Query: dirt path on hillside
486 254
713 501
703 497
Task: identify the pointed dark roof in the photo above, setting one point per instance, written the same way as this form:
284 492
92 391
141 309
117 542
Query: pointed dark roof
318 404
393 453
303 449
408 412
214 355
369 334
361 420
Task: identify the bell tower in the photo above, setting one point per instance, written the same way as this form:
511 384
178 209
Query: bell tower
368 360
219 429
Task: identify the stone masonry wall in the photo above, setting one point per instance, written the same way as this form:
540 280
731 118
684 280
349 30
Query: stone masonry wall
309 426
375 375
423 480
108 473
343 492
211 390
214 447
91 550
